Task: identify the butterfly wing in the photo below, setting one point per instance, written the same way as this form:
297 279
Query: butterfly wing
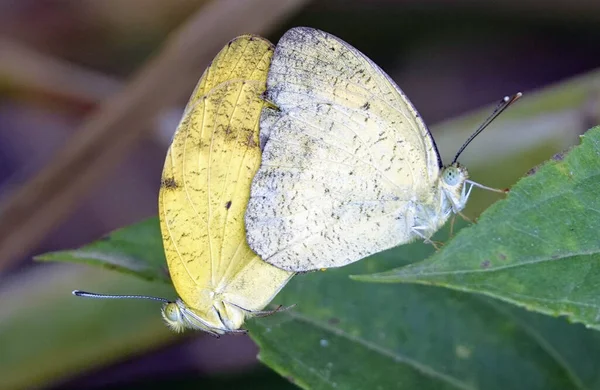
345 158
206 185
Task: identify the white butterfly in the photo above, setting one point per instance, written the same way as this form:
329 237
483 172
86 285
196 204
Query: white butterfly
348 167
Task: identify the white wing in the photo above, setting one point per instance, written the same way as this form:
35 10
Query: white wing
345 158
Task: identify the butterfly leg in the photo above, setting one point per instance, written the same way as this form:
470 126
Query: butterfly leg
425 231
266 313
466 218
452 225
262 313
475 184
436 244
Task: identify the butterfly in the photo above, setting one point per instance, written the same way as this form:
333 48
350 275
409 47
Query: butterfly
349 168
204 190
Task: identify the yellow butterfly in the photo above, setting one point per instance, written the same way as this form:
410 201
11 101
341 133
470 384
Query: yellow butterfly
204 191
349 167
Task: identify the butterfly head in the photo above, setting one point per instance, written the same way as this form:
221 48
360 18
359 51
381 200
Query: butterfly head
173 316
179 316
453 180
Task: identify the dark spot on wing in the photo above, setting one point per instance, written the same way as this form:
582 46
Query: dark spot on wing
228 204
250 141
366 106
485 264
169 183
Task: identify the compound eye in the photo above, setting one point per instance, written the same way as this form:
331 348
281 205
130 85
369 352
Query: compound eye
171 312
452 176
173 316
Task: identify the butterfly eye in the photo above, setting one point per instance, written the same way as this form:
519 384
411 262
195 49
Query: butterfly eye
452 176
171 312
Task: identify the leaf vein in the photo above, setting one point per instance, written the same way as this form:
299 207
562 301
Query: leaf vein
429 371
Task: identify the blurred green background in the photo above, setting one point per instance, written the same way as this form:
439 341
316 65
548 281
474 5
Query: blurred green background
62 61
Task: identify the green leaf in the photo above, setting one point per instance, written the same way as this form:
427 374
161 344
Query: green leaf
343 334
47 334
133 250
538 249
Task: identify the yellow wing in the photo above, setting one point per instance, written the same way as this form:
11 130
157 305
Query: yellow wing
205 188
345 161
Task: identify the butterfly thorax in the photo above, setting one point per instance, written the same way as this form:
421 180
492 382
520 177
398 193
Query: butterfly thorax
450 197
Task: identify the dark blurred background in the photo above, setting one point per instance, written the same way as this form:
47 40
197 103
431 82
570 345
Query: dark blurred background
61 60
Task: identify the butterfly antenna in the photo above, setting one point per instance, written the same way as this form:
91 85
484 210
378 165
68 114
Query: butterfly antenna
506 102
85 294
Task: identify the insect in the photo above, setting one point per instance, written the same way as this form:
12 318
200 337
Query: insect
204 190
349 168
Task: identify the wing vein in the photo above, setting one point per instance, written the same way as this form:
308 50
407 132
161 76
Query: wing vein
230 262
